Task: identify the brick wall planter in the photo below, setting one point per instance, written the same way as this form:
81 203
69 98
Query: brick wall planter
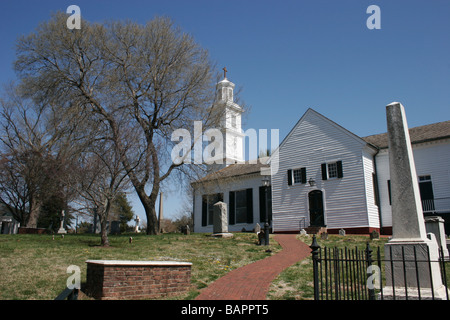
132 280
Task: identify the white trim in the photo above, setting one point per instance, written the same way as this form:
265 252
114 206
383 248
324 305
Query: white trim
138 263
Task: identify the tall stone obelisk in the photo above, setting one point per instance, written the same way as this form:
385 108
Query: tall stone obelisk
409 238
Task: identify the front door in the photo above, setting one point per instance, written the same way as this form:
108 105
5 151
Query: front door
316 216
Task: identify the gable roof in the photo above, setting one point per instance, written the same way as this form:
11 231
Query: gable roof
234 170
429 132
331 122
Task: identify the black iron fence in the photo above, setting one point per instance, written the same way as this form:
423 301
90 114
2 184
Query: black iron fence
69 294
360 274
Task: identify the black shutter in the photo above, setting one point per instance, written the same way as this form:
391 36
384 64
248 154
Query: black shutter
262 204
204 211
250 205
303 174
340 174
231 217
289 173
324 171
389 191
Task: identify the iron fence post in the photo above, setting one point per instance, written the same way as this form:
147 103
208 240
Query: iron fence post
369 250
315 258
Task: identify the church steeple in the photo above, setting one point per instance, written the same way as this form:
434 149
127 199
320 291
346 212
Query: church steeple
231 121
225 88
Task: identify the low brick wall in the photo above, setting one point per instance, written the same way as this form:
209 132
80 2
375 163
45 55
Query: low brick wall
133 280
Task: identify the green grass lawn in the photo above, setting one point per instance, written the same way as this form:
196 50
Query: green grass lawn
35 266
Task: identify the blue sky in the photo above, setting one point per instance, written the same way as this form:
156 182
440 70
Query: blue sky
291 55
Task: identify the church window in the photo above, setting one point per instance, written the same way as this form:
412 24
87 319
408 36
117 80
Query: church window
230 94
233 121
241 206
299 175
332 170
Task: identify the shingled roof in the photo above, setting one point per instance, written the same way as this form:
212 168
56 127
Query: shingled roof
234 170
429 132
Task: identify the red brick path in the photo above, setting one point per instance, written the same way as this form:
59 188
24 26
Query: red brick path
252 281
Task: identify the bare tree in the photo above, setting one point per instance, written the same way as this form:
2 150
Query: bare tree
146 79
36 156
102 179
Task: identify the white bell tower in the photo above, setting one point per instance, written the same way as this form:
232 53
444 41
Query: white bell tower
231 125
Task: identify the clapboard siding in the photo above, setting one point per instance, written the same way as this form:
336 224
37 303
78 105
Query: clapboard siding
430 159
225 186
313 141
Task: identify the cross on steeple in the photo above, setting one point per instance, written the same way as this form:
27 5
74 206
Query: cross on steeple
225 72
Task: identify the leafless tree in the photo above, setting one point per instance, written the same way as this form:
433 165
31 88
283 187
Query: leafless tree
36 155
147 79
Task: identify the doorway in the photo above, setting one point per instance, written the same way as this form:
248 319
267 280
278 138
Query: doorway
316 213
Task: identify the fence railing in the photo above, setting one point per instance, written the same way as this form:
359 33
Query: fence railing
359 274
69 294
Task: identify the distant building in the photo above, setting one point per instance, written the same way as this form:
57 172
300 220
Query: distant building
8 225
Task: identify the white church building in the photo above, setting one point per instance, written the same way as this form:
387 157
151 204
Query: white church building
326 176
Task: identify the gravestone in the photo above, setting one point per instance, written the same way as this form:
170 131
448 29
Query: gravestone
409 238
303 232
342 232
374 235
186 230
220 221
61 227
136 226
261 238
257 228
115 227
435 225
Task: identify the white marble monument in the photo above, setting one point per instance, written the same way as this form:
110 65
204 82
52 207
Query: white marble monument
409 237
61 227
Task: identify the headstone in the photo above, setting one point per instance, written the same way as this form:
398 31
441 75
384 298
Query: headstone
115 227
220 221
257 228
342 232
303 232
136 227
61 227
374 235
261 238
409 238
435 225
186 230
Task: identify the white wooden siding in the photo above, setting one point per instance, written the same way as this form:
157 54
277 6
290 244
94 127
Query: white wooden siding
430 159
225 186
313 141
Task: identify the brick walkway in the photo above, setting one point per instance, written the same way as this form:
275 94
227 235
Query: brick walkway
252 281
